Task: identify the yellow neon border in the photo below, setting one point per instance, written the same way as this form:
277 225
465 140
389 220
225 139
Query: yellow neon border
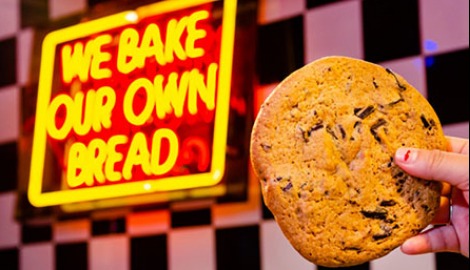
39 199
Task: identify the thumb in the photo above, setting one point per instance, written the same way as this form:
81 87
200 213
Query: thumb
435 240
435 165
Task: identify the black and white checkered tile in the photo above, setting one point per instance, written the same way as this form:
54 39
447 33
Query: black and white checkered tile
426 41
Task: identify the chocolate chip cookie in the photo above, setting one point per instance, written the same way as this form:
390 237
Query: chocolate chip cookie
322 147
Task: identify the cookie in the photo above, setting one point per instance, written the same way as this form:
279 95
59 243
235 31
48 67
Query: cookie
322 147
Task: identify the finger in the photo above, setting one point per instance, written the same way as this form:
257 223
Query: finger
458 145
434 165
435 240
443 214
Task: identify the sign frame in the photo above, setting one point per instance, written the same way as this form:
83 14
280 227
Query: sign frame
38 198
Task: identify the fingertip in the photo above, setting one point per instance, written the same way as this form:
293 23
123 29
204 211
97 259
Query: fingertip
407 246
414 245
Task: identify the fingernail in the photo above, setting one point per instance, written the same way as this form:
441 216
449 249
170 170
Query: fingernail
405 155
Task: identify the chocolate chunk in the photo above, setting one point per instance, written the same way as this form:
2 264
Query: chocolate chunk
374 127
395 102
390 163
427 124
401 181
306 134
351 202
401 86
390 221
364 112
386 232
375 83
266 147
328 129
425 121
378 213
399 174
343 133
381 235
315 128
378 124
353 249
288 187
388 203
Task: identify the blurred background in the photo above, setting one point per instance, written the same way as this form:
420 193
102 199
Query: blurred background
426 41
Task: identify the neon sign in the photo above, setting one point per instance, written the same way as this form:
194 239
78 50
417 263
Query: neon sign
134 103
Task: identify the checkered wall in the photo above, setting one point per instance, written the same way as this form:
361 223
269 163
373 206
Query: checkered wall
426 41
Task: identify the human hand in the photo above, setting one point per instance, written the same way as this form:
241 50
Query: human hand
450 167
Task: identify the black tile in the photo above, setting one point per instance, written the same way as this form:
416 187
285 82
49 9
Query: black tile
391 29
280 49
73 256
9 259
448 84
191 218
149 252
448 260
238 248
108 226
96 2
36 233
364 266
34 12
8 166
317 3
8 63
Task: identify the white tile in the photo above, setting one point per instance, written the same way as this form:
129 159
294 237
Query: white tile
62 8
240 214
37 256
398 260
444 25
71 231
412 69
334 30
109 252
9 17
9 113
191 248
146 223
9 227
274 10
276 251
457 130
24 51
